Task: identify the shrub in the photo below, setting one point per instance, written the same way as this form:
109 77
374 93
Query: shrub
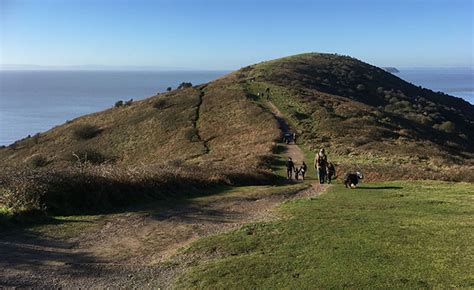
99 188
168 89
128 103
160 104
37 161
90 156
360 87
86 131
118 104
191 134
184 85
447 127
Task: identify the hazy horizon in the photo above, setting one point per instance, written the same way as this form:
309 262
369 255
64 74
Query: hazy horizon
31 67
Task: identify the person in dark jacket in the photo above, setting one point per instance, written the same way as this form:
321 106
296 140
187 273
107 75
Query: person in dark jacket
303 169
290 167
321 163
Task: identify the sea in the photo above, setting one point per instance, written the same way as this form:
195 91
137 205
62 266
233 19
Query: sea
35 101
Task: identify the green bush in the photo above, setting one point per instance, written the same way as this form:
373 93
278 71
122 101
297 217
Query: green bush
191 134
37 161
184 85
160 104
447 127
118 104
90 156
86 131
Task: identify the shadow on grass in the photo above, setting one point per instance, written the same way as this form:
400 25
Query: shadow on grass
380 187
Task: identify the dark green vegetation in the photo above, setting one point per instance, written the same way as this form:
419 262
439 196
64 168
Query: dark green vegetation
382 235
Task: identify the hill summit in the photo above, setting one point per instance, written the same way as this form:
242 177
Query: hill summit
361 113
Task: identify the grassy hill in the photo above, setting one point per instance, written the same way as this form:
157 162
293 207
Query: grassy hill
334 101
368 117
224 132
210 123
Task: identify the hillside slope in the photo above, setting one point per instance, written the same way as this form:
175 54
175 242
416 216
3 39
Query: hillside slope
209 123
360 113
356 109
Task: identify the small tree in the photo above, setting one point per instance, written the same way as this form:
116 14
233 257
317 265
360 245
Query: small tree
184 85
168 89
118 104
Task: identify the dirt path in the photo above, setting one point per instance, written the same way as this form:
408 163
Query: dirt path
131 249
290 150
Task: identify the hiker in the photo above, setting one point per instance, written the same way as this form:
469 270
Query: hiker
331 171
294 137
320 163
290 166
297 172
303 169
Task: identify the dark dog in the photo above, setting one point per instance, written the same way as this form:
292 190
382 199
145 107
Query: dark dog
352 179
331 172
297 173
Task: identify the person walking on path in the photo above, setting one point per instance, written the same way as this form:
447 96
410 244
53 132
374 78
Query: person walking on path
290 167
303 170
321 163
294 137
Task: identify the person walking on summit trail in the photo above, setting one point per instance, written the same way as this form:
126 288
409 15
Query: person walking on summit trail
303 170
321 163
290 167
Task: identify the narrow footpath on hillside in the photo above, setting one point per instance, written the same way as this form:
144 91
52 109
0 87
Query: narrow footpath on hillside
294 151
130 249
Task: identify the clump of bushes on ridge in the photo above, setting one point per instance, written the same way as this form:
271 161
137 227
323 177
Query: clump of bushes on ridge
184 85
86 131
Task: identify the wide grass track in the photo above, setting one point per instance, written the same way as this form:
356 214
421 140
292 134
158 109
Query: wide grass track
383 235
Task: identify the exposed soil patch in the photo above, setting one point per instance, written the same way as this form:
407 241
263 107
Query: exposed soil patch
130 249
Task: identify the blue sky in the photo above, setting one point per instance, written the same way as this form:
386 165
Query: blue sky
231 34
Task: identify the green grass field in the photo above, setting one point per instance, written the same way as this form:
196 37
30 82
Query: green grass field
383 235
